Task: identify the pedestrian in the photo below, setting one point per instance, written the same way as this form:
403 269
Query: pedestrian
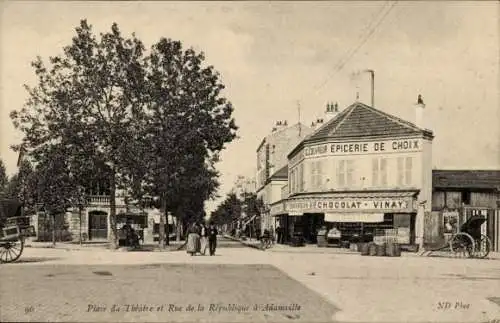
212 238
204 239
193 239
279 233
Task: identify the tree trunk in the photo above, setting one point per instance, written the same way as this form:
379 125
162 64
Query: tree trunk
178 229
113 243
53 229
167 229
161 238
80 217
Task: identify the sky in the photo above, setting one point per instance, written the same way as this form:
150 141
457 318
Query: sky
276 56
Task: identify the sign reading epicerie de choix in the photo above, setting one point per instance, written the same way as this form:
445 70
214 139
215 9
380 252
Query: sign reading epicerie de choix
397 145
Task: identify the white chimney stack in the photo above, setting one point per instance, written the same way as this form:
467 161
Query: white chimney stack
319 122
331 111
281 124
420 113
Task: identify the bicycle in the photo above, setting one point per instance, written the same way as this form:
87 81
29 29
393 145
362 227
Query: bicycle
265 243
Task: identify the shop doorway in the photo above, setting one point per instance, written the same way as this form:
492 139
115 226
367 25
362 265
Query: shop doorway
98 225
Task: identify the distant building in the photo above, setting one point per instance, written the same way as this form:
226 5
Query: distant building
244 184
272 162
459 194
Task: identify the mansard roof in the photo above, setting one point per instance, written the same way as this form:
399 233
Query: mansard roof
362 121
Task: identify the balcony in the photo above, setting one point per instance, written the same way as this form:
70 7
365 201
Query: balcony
98 199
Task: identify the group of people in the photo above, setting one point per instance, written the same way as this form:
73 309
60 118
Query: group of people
200 237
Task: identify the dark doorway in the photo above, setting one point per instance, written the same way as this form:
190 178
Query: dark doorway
98 225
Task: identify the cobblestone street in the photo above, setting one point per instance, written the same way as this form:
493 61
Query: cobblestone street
83 285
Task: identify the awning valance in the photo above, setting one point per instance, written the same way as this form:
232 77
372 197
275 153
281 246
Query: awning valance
354 217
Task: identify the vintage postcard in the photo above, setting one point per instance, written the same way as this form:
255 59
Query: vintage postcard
239 161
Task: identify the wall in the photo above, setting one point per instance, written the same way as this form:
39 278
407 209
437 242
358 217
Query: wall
324 170
272 154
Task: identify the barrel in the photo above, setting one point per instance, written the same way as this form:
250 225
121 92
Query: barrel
393 249
397 250
365 249
389 249
380 250
372 249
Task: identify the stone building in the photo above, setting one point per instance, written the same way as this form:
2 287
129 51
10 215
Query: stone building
366 172
271 160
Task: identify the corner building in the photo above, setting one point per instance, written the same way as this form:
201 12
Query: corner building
365 172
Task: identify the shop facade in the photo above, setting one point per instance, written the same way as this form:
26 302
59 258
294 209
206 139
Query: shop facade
365 172
460 194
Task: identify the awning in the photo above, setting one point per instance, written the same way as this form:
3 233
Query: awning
292 213
250 220
354 217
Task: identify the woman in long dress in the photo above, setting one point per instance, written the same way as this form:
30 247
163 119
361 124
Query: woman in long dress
193 240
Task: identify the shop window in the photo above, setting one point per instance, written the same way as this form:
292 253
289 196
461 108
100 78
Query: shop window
401 171
341 173
350 172
375 175
316 174
383 172
301 177
408 170
466 197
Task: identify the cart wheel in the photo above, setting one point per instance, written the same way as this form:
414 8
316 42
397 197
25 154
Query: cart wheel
462 245
482 247
10 251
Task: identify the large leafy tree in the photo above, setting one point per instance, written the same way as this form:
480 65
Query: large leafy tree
228 211
85 103
186 123
154 124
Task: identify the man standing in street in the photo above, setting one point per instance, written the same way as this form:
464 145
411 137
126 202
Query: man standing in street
212 239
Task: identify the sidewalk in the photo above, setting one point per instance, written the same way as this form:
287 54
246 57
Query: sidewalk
101 246
314 249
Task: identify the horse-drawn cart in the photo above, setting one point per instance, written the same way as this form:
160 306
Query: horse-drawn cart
469 241
14 227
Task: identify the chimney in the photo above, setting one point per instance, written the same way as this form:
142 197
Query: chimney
331 111
319 122
419 113
280 124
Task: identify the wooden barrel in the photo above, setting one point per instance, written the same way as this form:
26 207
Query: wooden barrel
380 250
393 249
389 249
365 249
397 250
372 249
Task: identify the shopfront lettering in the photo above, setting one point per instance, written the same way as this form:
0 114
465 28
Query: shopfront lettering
326 205
405 144
349 148
389 205
354 148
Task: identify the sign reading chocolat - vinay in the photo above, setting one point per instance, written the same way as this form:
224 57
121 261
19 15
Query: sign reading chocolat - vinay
323 205
398 145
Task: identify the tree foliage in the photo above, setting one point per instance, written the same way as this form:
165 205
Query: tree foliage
152 123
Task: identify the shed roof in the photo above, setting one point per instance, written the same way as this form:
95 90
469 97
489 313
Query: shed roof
466 179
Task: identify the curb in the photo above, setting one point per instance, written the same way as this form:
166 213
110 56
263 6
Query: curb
243 243
104 248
